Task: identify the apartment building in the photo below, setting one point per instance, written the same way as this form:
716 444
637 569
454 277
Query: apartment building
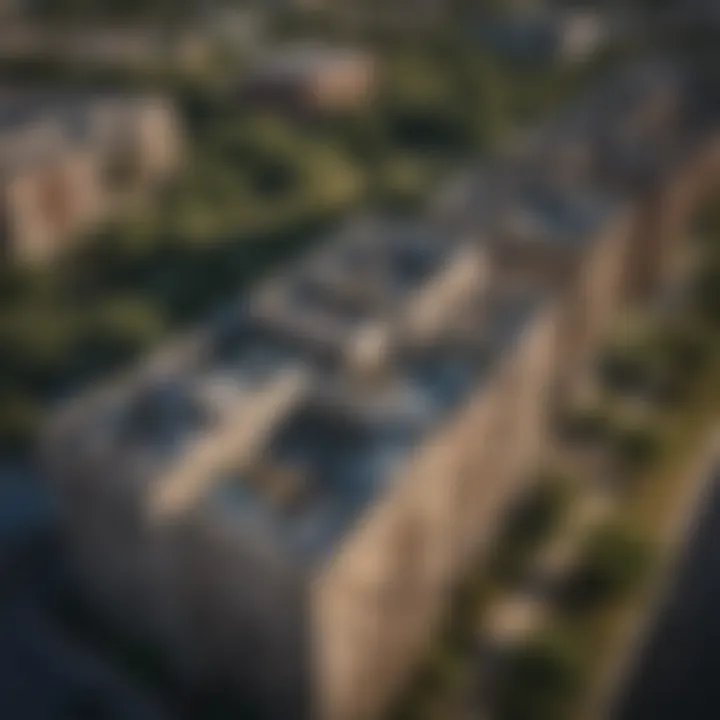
286 498
68 163
312 440
311 78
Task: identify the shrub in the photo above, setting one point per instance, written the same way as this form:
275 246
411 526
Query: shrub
467 602
441 669
116 330
613 561
403 183
687 347
637 447
539 513
587 424
529 523
623 368
541 681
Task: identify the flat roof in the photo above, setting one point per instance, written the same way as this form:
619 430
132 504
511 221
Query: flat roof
334 454
331 451
298 60
326 454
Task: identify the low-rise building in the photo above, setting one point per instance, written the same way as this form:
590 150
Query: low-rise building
68 163
311 79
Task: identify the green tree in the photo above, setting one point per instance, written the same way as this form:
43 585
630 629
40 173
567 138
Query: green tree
637 446
529 523
541 681
687 345
624 368
589 423
403 183
35 343
116 330
613 560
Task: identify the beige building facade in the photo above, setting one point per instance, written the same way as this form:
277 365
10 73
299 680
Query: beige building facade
69 164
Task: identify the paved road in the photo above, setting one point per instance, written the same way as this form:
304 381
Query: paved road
678 675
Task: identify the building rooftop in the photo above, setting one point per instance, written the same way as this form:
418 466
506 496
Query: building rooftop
300 404
555 215
301 60
308 459
341 446
530 212
556 186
